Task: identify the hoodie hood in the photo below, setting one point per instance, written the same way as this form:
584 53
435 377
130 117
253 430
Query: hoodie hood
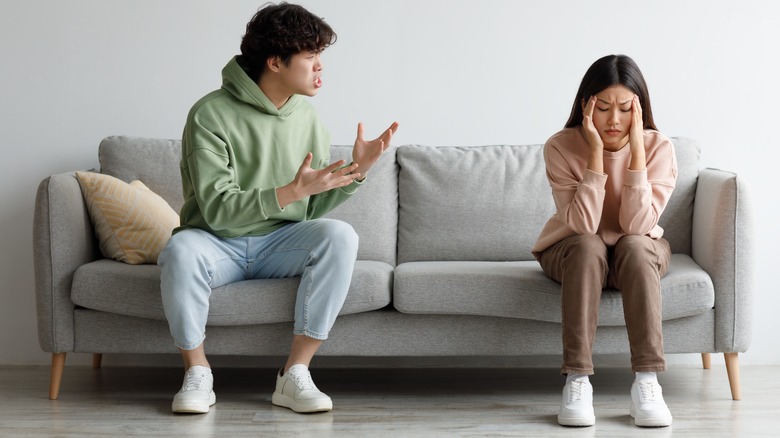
236 82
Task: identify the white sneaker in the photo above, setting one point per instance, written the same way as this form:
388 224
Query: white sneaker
196 394
296 390
577 404
647 404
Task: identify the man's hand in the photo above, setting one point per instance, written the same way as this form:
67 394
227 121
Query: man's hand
366 153
309 181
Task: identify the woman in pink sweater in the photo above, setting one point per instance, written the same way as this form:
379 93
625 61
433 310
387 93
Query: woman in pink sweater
611 174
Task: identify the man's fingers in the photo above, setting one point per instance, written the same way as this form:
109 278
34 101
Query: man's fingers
360 131
333 167
307 160
393 128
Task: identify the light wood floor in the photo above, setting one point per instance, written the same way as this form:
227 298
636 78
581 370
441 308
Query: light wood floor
397 402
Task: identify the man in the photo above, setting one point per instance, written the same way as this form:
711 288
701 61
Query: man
256 179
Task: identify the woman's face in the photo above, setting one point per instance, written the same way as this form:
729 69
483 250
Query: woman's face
612 116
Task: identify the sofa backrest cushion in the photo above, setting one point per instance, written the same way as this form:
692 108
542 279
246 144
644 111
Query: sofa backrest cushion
489 203
677 219
153 161
372 211
471 203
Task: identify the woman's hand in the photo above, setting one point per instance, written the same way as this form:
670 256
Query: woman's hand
596 144
636 136
591 134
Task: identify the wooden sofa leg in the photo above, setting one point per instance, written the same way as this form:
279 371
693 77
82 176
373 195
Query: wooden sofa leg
57 365
732 369
705 361
97 360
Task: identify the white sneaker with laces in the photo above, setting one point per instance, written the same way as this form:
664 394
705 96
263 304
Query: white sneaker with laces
196 393
648 407
297 391
577 404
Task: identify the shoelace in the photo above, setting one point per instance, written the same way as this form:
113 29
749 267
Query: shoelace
648 393
576 390
302 380
193 381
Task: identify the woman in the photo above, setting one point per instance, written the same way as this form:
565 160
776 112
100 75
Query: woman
611 174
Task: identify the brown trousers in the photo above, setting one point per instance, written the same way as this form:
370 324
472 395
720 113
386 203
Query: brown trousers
584 265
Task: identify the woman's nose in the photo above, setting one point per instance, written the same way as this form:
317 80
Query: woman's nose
614 117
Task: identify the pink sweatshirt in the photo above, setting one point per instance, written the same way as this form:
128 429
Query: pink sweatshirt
613 204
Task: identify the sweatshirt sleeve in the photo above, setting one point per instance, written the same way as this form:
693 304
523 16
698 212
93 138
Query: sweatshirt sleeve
646 192
222 202
577 191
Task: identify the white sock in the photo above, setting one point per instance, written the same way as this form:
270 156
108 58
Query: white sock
572 376
646 376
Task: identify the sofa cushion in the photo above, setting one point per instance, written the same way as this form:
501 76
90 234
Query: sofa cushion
115 287
156 163
521 290
489 203
132 223
151 160
485 203
677 219
373 209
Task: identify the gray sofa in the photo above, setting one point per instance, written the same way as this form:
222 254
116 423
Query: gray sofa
444 266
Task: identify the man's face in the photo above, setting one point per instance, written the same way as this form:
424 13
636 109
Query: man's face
303 75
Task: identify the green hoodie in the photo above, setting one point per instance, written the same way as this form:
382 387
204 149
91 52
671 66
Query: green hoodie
237 148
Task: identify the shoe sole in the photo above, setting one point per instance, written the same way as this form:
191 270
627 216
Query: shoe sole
193 406
577 421
652 421
663 421
302 408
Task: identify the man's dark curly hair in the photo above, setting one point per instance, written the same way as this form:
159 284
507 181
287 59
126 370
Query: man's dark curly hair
282 30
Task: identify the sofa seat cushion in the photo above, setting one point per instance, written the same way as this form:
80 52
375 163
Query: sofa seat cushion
134 290
521 290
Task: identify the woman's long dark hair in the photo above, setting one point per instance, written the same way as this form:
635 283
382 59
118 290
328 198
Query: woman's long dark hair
606 72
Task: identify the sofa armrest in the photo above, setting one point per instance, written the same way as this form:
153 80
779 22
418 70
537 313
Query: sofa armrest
722 244
63 240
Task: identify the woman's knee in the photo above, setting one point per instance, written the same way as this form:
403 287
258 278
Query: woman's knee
587 247
635 252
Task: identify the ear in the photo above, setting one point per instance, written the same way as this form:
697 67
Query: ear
274 63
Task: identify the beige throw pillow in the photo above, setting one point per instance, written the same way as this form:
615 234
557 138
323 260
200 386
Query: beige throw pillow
132 223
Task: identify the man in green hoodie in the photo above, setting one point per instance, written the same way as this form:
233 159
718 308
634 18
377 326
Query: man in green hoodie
257 180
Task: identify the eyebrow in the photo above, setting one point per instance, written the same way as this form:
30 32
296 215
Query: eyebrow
608 103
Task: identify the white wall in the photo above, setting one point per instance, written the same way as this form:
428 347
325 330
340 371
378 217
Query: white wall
451 72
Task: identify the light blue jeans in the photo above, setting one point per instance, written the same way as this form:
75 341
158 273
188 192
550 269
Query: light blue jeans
321 251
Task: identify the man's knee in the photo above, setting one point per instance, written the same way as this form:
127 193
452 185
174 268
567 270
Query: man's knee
338 234
182 249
